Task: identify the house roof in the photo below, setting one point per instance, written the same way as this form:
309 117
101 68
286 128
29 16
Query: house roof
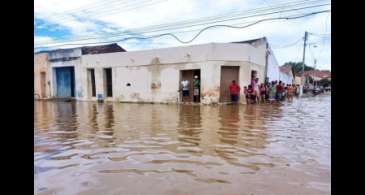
251 41
287 68
102 49
98 49
318 73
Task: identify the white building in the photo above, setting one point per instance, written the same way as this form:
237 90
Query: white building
155 75
286 74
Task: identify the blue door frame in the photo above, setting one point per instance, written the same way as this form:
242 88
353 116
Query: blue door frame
65 82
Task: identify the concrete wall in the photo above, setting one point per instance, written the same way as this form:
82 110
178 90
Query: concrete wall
41 65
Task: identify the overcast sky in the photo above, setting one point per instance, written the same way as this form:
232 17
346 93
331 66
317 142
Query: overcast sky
61 20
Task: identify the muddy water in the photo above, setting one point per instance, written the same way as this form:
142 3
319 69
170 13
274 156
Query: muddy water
91 148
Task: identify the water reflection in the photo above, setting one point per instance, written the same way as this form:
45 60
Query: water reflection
189 126
229 124
190 145
66 120
93 115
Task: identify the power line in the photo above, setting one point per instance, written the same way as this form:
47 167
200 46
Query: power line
82 11
200 32
229 16
126 32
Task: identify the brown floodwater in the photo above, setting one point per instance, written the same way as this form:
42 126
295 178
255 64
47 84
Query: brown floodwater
115 148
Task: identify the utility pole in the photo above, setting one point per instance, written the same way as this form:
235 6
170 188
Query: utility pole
303 61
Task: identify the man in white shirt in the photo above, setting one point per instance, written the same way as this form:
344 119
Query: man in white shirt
185 87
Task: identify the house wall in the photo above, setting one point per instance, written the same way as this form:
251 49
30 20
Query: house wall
273 71
286 78
41 65
154 75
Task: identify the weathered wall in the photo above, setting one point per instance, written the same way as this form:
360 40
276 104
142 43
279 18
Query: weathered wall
154 75
41 65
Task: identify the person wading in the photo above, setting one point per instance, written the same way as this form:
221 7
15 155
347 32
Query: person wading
196 85
234 90
246 94
291 91
252 94
263 93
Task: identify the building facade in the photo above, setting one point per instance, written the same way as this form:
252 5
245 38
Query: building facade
41 76
65 68
154 76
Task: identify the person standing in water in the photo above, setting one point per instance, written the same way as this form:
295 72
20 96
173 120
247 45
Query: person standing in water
246 94
291 91
196 86
272 92
234 90
185 88
252 94
263 93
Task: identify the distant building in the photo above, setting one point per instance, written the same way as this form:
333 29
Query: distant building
156 75
318 74
298 80
286 74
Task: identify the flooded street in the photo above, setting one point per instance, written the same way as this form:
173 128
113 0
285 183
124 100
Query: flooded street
114 148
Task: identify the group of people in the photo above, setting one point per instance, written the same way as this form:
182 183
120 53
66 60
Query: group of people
266 92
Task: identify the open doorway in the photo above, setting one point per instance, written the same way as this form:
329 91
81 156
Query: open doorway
190 83
228 74
108 82
91 82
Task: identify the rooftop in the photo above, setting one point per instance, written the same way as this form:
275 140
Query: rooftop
318 73
110 48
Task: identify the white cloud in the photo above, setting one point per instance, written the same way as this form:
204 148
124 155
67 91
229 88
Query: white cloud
38 39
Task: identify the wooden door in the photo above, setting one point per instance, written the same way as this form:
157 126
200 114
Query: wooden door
228 73
43 84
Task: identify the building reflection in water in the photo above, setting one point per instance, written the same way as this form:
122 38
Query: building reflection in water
105 135
242 134
66 120
189 126
93 115
229 124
